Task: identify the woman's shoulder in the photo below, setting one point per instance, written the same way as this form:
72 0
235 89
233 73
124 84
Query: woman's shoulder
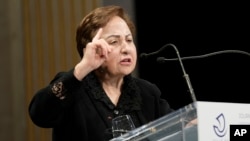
141 81
147 87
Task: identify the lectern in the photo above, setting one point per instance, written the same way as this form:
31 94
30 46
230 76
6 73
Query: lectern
198 121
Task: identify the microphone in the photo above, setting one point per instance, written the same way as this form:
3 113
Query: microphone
162 60
185 75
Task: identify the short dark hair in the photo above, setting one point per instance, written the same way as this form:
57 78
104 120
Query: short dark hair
96 19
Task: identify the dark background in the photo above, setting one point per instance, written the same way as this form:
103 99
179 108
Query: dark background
196 29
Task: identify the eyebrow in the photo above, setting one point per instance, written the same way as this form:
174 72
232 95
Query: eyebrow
117 36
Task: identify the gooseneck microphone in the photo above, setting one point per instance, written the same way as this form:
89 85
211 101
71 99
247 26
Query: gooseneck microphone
186 76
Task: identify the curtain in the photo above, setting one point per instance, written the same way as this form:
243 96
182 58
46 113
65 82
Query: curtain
49 28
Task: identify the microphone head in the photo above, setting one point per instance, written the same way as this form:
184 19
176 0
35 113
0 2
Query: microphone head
160 60
143 55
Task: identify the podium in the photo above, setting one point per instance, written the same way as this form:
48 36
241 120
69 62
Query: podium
198 121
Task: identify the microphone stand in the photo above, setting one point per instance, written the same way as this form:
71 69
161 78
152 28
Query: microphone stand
186 76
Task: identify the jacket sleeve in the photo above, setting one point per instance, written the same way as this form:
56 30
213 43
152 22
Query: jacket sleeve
50 103
164 107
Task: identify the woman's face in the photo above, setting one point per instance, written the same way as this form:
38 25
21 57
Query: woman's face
122 59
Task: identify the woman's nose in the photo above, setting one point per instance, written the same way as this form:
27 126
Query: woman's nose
124 47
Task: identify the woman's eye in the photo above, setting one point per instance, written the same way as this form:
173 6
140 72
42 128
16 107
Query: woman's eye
129 40
113 42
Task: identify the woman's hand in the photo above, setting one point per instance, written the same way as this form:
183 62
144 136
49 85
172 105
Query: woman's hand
95 53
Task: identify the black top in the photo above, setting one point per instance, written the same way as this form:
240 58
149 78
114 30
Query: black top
80 110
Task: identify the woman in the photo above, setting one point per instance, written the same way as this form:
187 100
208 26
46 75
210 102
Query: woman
81 103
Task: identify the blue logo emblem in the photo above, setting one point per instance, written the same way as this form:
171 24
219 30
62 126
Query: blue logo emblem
220 128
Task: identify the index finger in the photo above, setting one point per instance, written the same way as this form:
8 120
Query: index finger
98 35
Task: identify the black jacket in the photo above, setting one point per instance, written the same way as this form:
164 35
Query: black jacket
81 111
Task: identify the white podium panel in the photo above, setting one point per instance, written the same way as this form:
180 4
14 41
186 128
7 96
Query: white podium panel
199 121
215 118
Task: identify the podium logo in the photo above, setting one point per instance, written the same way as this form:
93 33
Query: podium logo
239 132
220 127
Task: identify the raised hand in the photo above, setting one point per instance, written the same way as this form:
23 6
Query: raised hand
95 53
